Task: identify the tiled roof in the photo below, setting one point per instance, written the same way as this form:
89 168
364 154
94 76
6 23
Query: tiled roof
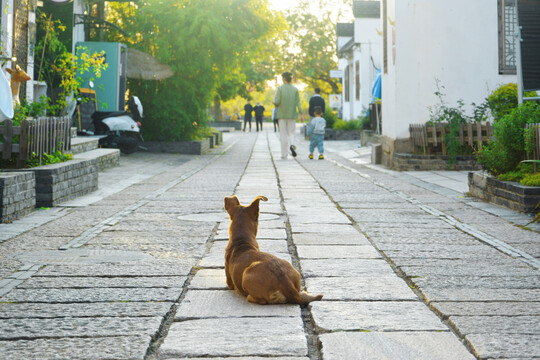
345 29
366 9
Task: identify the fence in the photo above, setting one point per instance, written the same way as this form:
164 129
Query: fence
431 137
533 130
35 135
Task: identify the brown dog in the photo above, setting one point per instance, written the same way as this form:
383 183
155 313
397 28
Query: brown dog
262 277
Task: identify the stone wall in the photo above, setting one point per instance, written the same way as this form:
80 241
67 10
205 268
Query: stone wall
506 193
17 195
411 162
195 147
64 181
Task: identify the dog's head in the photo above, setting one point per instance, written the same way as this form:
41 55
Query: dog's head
237 211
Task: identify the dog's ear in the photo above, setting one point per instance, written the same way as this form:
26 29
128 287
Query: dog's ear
254 206
10 71
231 203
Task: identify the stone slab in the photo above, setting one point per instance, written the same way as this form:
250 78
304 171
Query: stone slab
484 282
152 269
393 345
337 252
468 270
241 337
330 239
44 282
480 294
496 324
102 348
334 230
505 346
361 288
216 255
506 308
92 295
78 327
115 309
227 303
375 316
345 267
209 279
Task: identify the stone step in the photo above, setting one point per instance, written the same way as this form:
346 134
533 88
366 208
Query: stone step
107 158
81 144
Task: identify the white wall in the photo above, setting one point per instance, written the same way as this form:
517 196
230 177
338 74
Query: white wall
7 28
453 41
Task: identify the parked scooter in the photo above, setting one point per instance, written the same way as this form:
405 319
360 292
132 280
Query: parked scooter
121 128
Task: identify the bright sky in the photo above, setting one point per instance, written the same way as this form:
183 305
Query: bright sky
281 4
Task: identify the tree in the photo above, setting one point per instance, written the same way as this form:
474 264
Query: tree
211 45
310 44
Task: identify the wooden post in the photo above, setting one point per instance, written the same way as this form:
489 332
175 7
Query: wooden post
8 139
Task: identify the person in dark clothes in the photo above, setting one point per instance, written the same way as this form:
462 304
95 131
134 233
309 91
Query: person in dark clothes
275 119
316 100
259 114
248 110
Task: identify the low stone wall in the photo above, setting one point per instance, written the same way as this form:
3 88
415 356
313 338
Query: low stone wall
509 194
411 162
17 195
195 147
237 125
57 183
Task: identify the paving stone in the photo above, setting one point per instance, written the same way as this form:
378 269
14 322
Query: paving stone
361 288
216 255
487 308
503 324
246 358
330 239
164 268
102 348
78 327
480 294
334 230
375 316
337 252
505 346
345 267
114 309
92 295
393 345
468 270
229 304
241 337
486 282
209 279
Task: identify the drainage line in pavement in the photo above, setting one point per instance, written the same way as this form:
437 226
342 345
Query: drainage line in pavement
470 230
312 338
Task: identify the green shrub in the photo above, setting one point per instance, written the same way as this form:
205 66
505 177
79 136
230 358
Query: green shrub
531 180
331 117
504 99
504 154
348 125
511 176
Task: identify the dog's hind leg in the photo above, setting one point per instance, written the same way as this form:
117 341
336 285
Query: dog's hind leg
256 301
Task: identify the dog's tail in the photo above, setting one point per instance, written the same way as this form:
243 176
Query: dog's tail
299 297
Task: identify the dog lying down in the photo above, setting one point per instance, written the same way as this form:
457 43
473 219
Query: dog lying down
262 277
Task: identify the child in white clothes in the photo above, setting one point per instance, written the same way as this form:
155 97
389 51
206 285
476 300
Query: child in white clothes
316 132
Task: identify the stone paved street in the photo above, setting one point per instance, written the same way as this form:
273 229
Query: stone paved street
410 267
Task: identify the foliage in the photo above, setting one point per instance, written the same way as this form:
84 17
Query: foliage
524 174
365 122
531 180
309 46
25 109
505 152
504 99
60 69
331 118
455 117
214 47
348 125
47 159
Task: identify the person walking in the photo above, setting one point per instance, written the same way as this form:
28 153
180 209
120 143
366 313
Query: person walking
287 100
316 100
248 110
259 115
274 118
315 131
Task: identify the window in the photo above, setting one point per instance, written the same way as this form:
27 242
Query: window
357 78
347 82
508 23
